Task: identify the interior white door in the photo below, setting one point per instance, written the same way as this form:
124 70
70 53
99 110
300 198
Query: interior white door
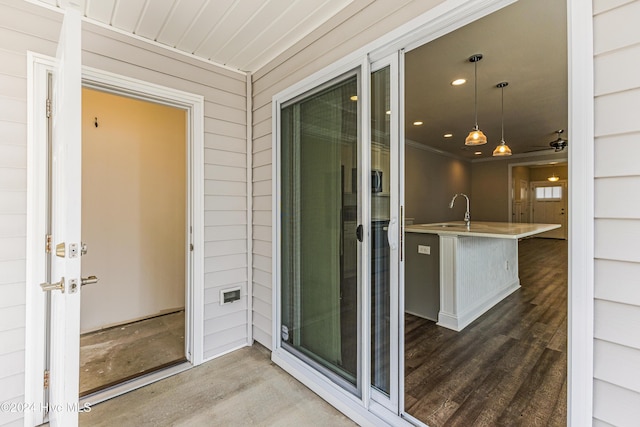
65 224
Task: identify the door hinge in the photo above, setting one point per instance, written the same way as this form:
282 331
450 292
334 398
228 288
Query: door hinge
47 244
191 247
46 379
48 107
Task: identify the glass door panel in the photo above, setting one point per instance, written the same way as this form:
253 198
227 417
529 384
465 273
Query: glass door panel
380 227
319 213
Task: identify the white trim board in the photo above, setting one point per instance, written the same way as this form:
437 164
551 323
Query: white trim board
581 214
38 66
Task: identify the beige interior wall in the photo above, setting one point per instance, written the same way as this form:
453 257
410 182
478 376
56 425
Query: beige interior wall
490 186
542 173
431 180
133 208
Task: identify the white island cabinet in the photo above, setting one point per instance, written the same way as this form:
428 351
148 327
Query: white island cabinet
478 266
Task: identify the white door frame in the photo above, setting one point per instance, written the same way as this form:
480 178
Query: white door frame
442 19
39 66
545 161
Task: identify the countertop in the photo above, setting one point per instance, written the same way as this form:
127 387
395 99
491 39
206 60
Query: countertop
496 230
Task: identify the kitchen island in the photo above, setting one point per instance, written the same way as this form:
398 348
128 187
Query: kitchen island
478 265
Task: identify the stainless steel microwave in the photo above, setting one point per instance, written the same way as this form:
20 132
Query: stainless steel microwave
376 181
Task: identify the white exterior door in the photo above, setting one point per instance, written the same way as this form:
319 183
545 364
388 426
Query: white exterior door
65 225
549 206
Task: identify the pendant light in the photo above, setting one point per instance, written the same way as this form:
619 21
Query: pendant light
502 149
553 177
475 137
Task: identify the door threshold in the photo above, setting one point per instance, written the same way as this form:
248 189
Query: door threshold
134 384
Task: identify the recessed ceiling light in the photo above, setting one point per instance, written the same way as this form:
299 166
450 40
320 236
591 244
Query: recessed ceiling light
477 153
354 97
553 163
458 82
448 135
418 123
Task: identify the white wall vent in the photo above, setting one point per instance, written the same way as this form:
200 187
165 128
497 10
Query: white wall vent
229 295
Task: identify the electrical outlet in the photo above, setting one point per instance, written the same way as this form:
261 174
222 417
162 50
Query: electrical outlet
426 250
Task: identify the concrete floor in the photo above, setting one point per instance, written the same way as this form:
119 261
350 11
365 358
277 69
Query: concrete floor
110 355
239 389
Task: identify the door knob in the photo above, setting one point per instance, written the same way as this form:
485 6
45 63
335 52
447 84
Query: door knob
89 280
53 286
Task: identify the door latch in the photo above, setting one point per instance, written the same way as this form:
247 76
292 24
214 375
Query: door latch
88 280
53 286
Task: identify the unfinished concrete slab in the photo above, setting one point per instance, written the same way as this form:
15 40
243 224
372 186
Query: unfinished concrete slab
119 353
239 389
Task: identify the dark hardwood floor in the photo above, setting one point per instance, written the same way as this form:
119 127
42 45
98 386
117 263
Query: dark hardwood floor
509 367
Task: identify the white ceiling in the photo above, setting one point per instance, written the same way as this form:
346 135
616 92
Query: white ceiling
241 34
523 44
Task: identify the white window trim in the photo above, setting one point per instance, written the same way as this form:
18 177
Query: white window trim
37 68
442 19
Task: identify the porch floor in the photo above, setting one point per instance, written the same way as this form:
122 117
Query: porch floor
240 388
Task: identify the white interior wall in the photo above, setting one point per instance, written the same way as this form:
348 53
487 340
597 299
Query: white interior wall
133 209
24 27
616 46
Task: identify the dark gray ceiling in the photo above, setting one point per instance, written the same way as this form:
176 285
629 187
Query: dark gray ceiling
524 44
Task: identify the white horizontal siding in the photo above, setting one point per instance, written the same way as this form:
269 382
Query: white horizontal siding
617 364
600 423
24 27
614 28
225 217
225 162
615 405
617 281
617 225
613 197
600 6
611 166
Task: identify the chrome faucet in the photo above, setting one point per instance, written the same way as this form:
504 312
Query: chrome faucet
467 214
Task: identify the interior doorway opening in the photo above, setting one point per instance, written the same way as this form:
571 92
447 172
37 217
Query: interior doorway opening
134 223
511 361
41 349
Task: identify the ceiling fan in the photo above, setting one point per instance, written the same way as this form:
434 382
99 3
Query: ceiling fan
559 144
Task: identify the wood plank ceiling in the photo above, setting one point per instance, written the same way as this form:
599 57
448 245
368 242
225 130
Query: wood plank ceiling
240 34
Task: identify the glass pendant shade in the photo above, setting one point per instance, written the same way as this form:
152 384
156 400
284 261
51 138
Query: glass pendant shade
553 178
475 137
502 150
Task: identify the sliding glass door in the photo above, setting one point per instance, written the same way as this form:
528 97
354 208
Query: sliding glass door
320 284
385 231
339 232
